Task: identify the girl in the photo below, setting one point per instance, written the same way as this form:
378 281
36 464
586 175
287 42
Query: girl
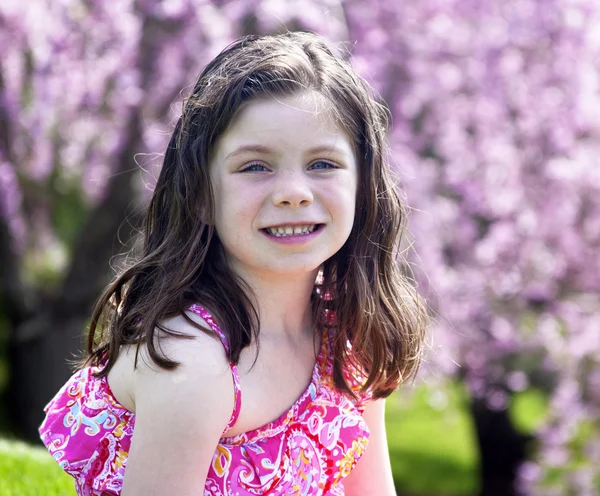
250 349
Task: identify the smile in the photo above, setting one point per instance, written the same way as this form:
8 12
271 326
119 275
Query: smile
282 231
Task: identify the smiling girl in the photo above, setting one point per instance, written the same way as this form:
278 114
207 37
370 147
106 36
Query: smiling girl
249 350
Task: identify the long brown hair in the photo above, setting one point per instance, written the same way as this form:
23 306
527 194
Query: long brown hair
363 292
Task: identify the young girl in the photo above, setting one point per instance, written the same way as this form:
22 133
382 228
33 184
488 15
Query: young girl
249 350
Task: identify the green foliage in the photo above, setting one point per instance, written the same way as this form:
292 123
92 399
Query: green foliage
432 442
528 410
70 208
45 259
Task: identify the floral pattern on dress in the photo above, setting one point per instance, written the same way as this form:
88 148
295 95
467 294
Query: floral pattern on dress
89 434
307 451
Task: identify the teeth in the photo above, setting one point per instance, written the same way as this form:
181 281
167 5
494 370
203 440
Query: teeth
291 230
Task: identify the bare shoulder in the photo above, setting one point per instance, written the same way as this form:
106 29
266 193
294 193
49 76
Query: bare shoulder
202 361
201 356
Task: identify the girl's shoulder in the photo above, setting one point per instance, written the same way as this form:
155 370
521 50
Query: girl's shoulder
202 364
201 350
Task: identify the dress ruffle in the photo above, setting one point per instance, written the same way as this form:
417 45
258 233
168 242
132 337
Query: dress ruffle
89 434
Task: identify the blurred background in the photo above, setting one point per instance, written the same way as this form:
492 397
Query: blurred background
495 138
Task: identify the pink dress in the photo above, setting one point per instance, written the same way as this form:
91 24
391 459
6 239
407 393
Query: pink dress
307 451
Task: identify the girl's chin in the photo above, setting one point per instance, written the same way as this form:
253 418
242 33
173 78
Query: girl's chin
283 271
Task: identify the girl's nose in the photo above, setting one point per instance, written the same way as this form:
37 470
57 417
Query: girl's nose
292 190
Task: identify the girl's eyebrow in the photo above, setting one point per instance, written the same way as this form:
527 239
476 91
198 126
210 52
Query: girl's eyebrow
327 149
250 148
266 150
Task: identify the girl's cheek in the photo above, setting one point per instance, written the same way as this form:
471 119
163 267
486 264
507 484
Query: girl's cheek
344 188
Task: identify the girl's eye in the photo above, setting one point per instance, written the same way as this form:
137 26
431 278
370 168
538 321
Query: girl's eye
321 165
254 168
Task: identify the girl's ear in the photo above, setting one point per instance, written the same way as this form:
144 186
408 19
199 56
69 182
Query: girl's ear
203 212
204 217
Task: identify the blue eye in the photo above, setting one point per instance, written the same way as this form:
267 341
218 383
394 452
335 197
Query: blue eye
255 167
321 165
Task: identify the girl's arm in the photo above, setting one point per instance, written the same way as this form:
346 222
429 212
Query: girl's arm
180 416
372 475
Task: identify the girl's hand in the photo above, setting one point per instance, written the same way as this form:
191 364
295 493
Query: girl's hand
180 415
372 475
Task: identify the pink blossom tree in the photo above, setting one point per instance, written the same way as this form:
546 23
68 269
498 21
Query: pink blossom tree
496 132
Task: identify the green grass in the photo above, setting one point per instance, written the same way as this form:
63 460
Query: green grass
31 471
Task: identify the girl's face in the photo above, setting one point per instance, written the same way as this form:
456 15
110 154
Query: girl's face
284 177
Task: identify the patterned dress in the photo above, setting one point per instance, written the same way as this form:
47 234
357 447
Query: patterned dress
307 451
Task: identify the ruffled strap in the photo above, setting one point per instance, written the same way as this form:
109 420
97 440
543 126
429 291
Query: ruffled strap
237 391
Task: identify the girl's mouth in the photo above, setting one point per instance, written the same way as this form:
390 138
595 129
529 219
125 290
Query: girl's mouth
296 230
